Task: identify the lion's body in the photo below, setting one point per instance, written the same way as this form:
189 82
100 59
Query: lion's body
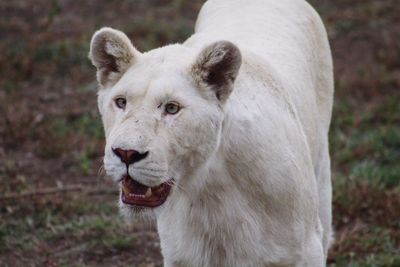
275 135
259 193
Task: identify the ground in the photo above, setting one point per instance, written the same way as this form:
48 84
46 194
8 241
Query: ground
57 207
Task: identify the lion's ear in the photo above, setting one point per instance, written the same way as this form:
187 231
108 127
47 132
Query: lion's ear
112 53
217 67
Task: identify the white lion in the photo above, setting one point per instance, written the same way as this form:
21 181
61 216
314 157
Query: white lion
225 137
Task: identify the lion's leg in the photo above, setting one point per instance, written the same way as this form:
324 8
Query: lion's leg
325 196
313 254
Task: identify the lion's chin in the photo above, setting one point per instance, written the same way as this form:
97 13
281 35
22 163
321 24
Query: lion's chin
133 215
140 196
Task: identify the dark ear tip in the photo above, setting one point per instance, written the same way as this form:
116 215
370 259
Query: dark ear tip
103 32
101 37
217 66
97 45
111 51
228 50
226 45
221 56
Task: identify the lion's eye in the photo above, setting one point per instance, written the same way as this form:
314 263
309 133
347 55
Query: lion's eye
172 108
120 102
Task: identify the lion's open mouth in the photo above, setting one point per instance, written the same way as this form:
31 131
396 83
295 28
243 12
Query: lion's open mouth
137 194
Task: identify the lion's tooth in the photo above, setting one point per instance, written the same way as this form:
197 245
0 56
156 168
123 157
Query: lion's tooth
126 191
148 192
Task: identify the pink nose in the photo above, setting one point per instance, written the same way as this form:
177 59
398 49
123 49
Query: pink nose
129 156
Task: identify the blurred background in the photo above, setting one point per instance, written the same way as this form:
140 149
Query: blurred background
57 208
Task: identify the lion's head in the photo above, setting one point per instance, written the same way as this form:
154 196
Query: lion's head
162 112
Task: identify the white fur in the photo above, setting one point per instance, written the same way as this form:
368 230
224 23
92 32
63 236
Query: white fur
252 173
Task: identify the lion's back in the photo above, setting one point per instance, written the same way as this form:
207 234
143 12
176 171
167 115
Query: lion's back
289 36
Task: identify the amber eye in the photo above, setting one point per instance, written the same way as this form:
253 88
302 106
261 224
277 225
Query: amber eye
120 102
172 108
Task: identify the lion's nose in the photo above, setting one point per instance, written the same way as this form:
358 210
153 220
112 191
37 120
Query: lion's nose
129 156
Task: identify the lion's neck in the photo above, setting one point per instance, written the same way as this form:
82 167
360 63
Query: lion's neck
209 213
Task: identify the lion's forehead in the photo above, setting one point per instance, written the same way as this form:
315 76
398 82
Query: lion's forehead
158 74
156 88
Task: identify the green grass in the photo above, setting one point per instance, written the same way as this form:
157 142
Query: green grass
371 260
49 223
80 137
365 150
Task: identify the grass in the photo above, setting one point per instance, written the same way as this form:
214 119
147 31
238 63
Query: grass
49 222
365 148
366 145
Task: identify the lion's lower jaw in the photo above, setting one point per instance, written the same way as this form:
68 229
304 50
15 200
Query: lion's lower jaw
132 214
